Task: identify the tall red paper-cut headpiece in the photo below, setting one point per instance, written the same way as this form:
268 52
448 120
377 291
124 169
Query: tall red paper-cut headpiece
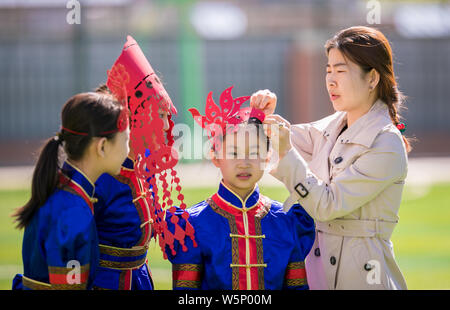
133 79
220 120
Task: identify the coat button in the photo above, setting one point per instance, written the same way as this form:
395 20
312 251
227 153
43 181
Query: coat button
338 160
317 252
367 267
333 260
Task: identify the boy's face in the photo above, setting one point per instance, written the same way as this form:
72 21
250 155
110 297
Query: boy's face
241 158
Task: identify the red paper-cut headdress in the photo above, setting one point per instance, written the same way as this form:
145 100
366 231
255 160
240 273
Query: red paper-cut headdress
133 79
220 120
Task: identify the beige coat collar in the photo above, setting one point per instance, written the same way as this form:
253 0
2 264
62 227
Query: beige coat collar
364 130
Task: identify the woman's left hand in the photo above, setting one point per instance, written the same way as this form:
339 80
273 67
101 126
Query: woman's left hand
264 100
279 131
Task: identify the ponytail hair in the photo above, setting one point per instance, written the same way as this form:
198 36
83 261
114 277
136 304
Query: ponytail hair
84 116
370 49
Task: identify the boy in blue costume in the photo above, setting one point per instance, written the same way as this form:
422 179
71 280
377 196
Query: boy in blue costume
245 240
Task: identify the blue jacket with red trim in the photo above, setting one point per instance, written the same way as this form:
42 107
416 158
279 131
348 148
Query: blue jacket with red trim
123 221
251 244
60 244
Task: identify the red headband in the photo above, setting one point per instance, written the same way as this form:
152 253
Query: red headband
122 124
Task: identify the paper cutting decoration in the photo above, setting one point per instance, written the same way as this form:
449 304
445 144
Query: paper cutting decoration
224 119
132 78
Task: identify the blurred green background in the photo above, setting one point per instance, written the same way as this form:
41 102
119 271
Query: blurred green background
421 240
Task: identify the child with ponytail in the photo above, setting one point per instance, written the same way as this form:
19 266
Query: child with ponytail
60 245
129 209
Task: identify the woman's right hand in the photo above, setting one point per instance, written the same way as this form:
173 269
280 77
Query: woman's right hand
264 100
279 131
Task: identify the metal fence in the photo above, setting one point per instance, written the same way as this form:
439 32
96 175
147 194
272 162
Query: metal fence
423 70
38 74
38 77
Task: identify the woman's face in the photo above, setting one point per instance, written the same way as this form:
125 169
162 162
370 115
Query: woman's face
347 85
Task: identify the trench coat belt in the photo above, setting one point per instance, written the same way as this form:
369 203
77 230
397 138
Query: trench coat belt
358 228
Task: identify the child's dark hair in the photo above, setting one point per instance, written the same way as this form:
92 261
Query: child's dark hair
259 126
103 89
87 113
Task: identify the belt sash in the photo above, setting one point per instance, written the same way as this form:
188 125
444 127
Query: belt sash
358 228
38 285
122 258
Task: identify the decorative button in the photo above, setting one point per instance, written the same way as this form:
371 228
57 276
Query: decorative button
138 94
338 160
367 267
317 252
333 260
303 192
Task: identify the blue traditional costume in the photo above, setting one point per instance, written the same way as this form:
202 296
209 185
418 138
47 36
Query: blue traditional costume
128 212
60 244
123 220
249 244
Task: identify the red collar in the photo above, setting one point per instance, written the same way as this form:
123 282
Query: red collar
228 207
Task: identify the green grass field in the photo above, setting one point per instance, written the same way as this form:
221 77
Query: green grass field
421 240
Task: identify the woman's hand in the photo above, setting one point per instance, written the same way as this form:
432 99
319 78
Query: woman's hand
279 131
264 100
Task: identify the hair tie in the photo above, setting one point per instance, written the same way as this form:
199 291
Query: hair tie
401 127
58 137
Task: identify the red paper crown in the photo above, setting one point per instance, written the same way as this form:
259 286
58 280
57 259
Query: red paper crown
133 79
220 120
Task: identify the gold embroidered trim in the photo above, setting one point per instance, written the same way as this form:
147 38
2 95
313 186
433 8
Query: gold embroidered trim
98 288
122 265
186 283
35 285
296 282
296 265
261 213
234 241
65 270
81 286
122 252
139 208
187 267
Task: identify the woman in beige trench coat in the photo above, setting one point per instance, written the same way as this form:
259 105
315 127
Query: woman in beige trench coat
348 169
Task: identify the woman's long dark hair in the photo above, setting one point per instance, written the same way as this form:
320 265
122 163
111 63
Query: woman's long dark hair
83 116
370 49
